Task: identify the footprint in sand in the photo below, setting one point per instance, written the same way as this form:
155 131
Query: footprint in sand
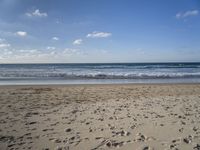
68 130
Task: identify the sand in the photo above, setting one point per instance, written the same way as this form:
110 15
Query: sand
90 117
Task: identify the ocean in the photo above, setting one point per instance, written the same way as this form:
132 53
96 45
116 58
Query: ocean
101 73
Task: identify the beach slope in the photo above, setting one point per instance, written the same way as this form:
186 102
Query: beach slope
151 116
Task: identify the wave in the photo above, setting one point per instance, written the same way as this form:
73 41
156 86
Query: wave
101 66
100 71
101 76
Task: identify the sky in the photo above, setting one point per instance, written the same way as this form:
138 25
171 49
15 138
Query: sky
99 31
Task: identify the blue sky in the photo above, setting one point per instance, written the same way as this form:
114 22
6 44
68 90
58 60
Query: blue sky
86 31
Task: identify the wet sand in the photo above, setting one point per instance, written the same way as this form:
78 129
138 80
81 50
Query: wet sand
90 117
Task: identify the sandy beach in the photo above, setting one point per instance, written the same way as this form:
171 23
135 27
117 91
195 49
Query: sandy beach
89 117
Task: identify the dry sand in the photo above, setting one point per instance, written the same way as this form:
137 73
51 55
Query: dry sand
89 117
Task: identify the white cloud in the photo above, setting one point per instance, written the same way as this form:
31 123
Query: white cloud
96 34
53 53
31 51
4 45
37 13
50 48
78 42
187 14
7 52
55 38
36 55
13 55
70 51
21 33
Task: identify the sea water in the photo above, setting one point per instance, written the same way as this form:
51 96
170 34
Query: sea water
101 73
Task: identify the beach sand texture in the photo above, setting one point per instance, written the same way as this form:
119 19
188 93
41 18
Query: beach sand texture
90 117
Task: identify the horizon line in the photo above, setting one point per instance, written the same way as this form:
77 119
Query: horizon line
101 63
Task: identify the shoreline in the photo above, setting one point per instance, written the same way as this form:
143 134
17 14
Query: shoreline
96 85
101 81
